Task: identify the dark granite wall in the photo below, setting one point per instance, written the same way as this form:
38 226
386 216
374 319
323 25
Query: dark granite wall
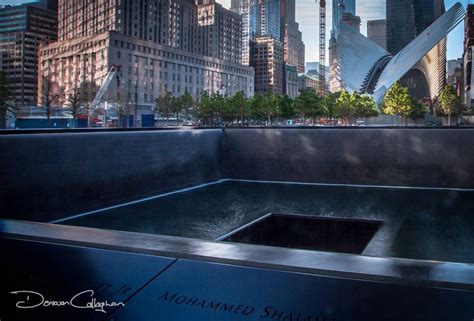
408 157
48 176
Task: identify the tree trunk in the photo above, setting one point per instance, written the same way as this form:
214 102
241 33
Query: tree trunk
48 116
449 119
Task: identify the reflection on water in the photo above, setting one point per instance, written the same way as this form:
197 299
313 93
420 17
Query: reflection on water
422 224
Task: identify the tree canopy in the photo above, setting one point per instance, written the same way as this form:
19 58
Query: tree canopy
269 109
450 103
398 101
309 105
350 107
163 104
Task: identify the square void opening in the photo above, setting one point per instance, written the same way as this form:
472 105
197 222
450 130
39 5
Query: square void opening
307 232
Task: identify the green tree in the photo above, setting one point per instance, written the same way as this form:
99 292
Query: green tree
269 107
357 106
367 107
4 98
329 103
419 111
228 110
211 108
343 108
218 102
309 105
182 105
204 108
351 107
300 105
241 106
450 103
187 103
256 104
398 101
316 107
177 108
286 107
164 105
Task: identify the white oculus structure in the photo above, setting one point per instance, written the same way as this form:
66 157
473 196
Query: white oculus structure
368 68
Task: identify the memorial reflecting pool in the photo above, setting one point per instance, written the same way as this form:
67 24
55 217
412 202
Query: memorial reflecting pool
416 223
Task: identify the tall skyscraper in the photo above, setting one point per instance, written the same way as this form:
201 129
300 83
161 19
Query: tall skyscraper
455 75
406 19
171 45
343 11
288 9
377 32
270 25
22 28
339 7
351 20
468 66
250 12
276 20
270 19
266 57
294 48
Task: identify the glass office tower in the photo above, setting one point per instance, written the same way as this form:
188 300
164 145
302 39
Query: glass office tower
339 7
22 29
270 19
250 12
406 19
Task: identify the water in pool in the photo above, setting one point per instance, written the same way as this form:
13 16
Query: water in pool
419 224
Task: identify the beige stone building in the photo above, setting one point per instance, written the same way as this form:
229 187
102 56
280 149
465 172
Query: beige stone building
172 45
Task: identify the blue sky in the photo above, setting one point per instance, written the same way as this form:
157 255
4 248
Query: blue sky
307 16
307 10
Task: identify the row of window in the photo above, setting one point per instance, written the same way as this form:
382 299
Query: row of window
171 55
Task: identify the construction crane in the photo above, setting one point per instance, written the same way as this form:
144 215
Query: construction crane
322 47
114 69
